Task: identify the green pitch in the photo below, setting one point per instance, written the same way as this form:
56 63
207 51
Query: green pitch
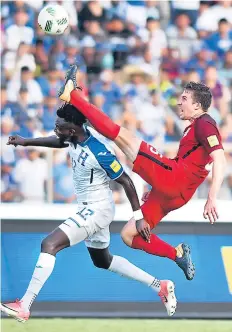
115 325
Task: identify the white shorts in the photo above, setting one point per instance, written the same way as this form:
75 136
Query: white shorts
95 218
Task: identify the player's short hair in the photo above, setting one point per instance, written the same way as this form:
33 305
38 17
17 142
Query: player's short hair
201 94
71 114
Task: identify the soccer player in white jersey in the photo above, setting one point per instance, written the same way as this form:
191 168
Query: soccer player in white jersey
93 166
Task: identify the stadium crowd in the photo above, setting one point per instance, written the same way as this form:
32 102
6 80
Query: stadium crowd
134 58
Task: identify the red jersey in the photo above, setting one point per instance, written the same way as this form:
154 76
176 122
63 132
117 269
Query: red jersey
198 141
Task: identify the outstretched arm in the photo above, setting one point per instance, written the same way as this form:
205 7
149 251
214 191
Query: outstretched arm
219 162
49 142
142 226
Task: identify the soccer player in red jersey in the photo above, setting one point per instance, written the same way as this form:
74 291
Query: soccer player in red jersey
173 181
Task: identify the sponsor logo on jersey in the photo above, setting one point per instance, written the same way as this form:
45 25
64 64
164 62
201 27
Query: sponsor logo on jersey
102 153
115 166
213 140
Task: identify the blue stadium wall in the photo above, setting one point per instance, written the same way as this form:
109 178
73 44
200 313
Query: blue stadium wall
77 288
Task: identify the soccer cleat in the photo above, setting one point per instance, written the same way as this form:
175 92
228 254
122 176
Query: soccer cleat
185 261
167 295
69 85
15 310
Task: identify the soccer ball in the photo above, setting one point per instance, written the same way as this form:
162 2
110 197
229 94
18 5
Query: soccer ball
53 19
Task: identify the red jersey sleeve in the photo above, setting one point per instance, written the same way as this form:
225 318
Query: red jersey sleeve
207 134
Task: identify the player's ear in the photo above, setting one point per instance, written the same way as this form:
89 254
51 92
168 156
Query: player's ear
72 132
197 106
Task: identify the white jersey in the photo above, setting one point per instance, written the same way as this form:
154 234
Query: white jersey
93 165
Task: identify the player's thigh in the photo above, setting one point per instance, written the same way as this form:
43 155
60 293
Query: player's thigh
152 209
155 169
128 143
99 240
87 220
99 234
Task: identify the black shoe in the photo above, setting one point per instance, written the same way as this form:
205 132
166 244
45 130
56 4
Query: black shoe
185 261
69 85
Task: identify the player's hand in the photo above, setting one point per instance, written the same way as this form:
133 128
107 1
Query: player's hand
143 229
145 196
16 140
210 210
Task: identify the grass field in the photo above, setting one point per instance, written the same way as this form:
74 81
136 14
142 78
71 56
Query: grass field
115 325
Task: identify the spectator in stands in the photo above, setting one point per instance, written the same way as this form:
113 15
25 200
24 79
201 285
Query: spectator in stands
221 41
167 88
118 34
14 61
190 8
63 182
226 131
18 5
19 32
48 40
92 58
7 129
171 63
26 79
182 36
211 16
29 128
156 39
9 192
72 54
151 121
7 108
118 8
110 92
199 61
49 113
51 82
225 72
136 86
94 30
91 11
221 94
136 53
31 175
41 57
23 110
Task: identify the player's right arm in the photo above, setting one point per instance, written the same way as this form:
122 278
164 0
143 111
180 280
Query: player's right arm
49 142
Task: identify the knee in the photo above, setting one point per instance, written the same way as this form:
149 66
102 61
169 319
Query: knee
101 258
49 246
126 237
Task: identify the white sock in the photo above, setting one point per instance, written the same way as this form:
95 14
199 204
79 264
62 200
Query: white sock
123 267
42 272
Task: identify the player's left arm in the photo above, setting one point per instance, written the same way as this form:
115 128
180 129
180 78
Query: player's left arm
142 226
218 171
209 137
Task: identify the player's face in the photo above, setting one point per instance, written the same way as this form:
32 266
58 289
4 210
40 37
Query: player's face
63 130
187 107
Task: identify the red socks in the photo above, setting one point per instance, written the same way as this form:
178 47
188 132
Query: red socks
156 246
100 121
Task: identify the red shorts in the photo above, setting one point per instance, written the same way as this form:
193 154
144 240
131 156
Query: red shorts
164 176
